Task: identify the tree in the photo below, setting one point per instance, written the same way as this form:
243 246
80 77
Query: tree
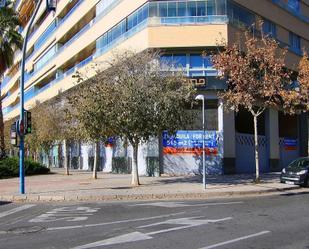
89 112
10 40
256 77
138 99
296 98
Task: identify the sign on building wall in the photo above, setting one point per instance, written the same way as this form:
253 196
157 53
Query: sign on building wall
290 144
190 142
182 153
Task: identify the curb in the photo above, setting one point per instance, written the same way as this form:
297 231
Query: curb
139 197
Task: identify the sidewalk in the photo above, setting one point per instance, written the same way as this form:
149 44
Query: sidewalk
111 187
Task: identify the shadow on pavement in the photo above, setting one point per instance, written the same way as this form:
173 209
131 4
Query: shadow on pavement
4 203
221 180
293 194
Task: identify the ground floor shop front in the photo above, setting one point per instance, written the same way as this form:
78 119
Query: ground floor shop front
229 146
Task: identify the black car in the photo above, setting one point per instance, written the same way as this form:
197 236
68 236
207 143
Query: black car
297 172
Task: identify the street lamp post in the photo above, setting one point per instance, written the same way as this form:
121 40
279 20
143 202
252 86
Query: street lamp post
50 6
202 97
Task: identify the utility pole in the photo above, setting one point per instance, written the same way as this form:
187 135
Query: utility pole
51 6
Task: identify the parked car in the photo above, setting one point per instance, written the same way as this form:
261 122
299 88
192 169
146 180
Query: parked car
297 172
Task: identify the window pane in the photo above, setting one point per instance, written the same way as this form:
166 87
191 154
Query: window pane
207 61
180 60
172 9
201 8
210 8
196 61
162 9
153 9
191 8
182 9
221 7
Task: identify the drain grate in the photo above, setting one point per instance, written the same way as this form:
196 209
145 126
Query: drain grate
25 230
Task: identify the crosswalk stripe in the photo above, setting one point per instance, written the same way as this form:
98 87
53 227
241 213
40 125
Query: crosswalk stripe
15 210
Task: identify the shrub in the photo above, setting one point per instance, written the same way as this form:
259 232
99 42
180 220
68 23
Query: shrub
9 167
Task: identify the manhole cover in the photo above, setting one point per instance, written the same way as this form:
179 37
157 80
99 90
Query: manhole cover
23 230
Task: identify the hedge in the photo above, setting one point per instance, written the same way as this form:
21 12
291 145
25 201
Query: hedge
9 167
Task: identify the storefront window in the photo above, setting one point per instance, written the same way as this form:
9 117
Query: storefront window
196 61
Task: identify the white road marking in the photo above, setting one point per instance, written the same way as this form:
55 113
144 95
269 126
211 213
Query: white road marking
236 240
15 210
66 214
184 223
130 237
113 222
182 204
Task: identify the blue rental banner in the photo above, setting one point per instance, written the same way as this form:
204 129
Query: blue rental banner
190 142
290 142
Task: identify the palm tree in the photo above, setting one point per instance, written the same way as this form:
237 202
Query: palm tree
10 40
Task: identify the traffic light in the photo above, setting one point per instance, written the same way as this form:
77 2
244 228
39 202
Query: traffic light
51 5
27 122
13 134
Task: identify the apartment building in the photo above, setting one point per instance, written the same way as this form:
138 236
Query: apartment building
81 32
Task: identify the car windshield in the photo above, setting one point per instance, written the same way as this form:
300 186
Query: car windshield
299 164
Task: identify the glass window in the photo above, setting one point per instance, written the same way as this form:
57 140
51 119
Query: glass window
182 9
153 10
166 60
172 9
191 8
221 7
269 28
196 61
207 61
294 41
210 8
163 9
145 11
294 5
45 58
180 60
201 8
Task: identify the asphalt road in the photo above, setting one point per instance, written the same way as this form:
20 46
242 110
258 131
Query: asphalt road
261 222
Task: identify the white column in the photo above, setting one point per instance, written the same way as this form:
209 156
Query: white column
227 123
108 158
141 159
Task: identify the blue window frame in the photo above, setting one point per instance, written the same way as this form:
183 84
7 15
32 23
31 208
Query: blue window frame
172 9
182 9
294 41
270 28
294 5
201 9
191 8
163 9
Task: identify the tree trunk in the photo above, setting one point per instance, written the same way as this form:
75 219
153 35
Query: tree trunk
49 160
96 159
256 149
135 177
60 161
66 165
2 143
